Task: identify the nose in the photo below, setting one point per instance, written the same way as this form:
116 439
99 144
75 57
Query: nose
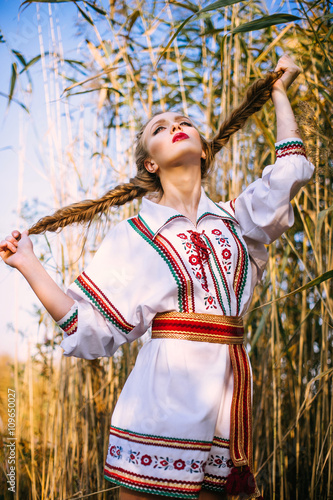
175 127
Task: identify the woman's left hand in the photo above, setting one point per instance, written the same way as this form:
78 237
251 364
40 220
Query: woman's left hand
291 72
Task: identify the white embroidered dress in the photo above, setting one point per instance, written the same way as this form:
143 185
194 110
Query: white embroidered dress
170 429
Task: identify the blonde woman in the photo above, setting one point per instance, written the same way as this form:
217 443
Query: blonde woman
186 267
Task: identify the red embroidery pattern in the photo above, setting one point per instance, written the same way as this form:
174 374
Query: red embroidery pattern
198 251
150 484
221 442
219 461
232 205
148 439
241 420
70 326
146 460
290 148
97 297
158 462
218 278
210 302
223 241
240 275
170 255
214 483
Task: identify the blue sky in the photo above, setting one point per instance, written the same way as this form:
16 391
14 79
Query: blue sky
20 137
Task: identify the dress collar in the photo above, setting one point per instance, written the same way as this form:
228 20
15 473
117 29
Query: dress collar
157 216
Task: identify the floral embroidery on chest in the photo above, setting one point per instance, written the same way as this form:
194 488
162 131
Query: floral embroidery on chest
223 241
198 255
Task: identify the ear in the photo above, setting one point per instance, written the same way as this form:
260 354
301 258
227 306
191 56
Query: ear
203 155
151 166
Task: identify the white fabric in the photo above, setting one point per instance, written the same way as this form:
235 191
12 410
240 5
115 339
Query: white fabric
178 389
138 281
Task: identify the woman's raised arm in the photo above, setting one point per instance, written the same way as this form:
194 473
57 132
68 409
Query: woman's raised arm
286 125
20 255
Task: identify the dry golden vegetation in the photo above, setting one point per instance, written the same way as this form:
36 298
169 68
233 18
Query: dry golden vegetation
64 408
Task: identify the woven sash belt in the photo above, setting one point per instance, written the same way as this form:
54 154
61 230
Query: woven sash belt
220 330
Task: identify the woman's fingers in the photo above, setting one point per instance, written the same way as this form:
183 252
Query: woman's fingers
287 63
8 245
3 245
16 248
16 234
290 72
11 242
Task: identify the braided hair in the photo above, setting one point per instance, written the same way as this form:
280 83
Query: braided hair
146 182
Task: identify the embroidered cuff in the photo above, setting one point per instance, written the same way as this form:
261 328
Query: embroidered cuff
69 322
289 147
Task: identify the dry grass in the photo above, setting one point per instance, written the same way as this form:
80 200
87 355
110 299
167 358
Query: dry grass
65 408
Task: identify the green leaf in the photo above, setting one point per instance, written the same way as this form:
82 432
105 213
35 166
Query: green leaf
218 5
256 24
174 36
188 5
212 6
261 325
320 222
328 97
265 22
93 90
28 2
19 57
320 279
328 34
84 14
12 82
33 61
16 101
132 18
77 84
96 8
74 64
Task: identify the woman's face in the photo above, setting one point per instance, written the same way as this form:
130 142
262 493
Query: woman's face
171 141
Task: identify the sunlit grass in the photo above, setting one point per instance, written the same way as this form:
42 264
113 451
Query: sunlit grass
65 408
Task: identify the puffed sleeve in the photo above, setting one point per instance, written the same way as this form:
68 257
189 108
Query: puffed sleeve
263 209
106 311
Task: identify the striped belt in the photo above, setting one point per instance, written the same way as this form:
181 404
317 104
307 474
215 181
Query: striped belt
220 330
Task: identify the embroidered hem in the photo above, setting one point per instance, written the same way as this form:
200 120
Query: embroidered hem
165 465
213 483
146 484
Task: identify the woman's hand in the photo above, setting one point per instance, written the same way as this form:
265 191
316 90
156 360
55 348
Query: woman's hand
19 254
291 72
15 249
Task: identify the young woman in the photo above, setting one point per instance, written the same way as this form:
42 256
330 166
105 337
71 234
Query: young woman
187 267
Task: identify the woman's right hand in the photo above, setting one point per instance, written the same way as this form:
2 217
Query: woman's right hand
15 251
20 254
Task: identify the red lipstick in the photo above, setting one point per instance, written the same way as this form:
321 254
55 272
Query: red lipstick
179 137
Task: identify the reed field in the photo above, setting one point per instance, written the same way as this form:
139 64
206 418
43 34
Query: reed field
125 71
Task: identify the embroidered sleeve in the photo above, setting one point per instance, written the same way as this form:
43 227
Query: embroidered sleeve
263 209
107 311
232 206
69 322
289 147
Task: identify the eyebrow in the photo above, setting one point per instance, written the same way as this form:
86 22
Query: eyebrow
162 120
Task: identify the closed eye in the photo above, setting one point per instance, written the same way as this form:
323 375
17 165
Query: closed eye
157 130
181 123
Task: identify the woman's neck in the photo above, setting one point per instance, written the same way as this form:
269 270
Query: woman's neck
183 194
